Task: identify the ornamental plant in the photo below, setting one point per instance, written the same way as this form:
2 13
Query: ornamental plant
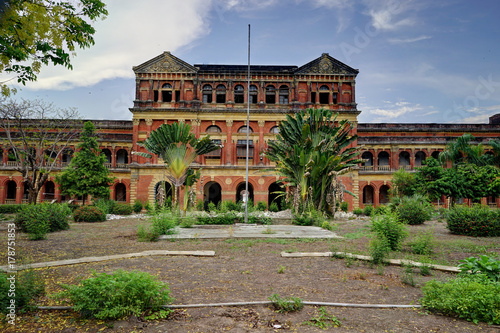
414 210
475 221
391 229
490 267
38 220
89 214
122 209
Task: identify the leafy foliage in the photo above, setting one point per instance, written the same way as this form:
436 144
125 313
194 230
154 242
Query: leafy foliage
485 265
86 174
474 298
389 227
89 214
122 209
10 209
344 206
286 304
38 220
273 207
414 210
403 183
106 205
323 320
112 296
368 210
476 221
27 286
422 243
137 207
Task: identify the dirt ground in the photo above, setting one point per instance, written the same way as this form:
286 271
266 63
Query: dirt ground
248 270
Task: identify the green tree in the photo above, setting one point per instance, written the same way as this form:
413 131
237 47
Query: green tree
403 183
494 158
462 150
42 32
429 179
86 174
310 152
178 147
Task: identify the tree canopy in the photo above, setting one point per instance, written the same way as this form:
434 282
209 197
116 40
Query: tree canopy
42 32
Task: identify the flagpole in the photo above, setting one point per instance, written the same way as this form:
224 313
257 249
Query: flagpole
248 128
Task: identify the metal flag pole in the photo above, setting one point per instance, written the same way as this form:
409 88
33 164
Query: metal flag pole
248 129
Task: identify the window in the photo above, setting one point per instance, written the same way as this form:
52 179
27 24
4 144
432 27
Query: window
243 129
220 93
166 94
215 153
207 93
253 94
324 95
241 149
283 93
274 130
239 93
213 129
155 95
313 97
270 94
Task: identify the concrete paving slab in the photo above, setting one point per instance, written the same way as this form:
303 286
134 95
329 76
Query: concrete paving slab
250 231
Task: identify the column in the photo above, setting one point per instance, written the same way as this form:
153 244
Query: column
260 149
135 138
229 144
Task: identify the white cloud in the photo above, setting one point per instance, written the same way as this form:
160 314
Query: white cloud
390 111
477 115
408 40
128 37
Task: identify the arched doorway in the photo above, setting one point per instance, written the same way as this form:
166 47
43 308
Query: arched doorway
50 190
163 191
212 192
239 192
384 194
420 158
120 192
368 195
274 196
11 191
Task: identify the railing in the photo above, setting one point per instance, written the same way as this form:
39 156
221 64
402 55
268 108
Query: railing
10 201
384 168
11 163
367 168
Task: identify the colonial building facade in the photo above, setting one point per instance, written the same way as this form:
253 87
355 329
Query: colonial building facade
214 99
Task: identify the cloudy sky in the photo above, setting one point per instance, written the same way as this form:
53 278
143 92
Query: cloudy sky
420 61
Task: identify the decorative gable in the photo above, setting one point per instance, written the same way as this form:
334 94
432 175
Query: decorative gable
165 63
326 65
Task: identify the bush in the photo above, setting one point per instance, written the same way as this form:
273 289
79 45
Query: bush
379 249
388 227
38 220
381 210
164 222
122 209
211 207
222 218
199 205
10 209
229 206
308 218
422 244
414 210
485 265
258 219
357 211
28 286
368 210
261 206
106 205
286 304
112 296
89 214
476 221
273 207
344 206
474 298
137 207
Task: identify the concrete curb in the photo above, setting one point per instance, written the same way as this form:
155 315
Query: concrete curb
397 262
111 257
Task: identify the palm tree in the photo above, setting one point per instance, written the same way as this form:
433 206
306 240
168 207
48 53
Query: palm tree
464 151
178 147
310 151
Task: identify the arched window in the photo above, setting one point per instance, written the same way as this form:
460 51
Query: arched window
253 94
50 190
270 94
67 155
383 161
166 93
107 152
384 194
207 93
212 192
435 154
11 191
240 191
419 158
120 192
274 130
283 92
213 129
121 158
368 195
368 157
220 93
243 129
239 93
404 160
324 94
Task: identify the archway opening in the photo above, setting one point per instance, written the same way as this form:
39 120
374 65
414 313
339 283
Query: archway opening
212 192
120 192
11 190
384 194
240 190
276 194
50 190
163 191
368 195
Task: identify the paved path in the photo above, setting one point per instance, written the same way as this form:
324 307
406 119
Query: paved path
250 231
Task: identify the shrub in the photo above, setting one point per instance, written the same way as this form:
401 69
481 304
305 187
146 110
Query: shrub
106 205
89 214
10 209
261 206
28 286
211 207
414 210
286 304
223 218
311 217
38 220
379 249
473 297
230 205
164 222
199 205
422 244
137 207
122 209
258 219
344 206
273 207
476 221
388 227
357 211
381 210
145 233
112 296
485 265
368 210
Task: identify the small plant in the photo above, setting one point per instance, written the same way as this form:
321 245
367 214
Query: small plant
137 206
308 218
408 277
164 222
38 220
89 214
381 210
268 231
212 208
368 210
187 222
145 233
273 207
425 270
261 206
112 296
27 286
388 227
122 209
379 249
106 205
422 244
323 320
326 225
281 269
485 265
414 210
344 206
357 211
199 205
288 304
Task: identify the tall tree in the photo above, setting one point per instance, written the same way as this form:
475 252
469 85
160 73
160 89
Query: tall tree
36 133
178 147
42 32
86 174
463 150
310 152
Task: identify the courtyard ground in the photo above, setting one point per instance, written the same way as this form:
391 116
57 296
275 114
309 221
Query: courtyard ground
246 270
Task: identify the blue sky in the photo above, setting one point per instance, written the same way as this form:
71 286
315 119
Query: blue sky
420 61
